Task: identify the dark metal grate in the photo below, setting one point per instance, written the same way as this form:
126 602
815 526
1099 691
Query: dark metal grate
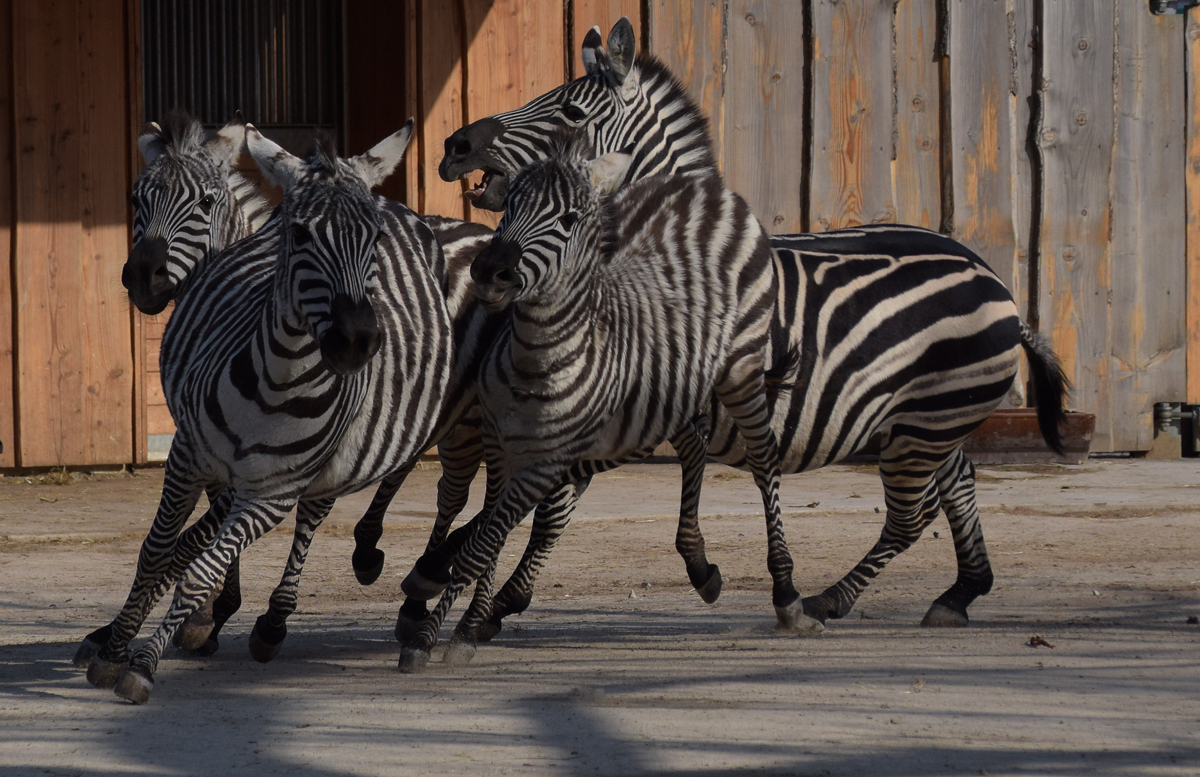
278 61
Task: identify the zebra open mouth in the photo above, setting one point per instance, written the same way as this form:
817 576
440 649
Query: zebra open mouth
489 192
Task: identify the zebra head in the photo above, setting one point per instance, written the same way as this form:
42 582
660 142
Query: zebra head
554 220
621 103
328 261
187 205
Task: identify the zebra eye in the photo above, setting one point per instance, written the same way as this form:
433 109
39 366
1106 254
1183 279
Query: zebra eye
206 202
300 235
574 112
569 220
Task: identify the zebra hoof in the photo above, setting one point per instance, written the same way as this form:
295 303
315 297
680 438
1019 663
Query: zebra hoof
135 685
940 615
488 630
459 653
418 586
412 660
104 674
86 651
711 590
792 618
209 647
369 566
265 640
194 632
409 619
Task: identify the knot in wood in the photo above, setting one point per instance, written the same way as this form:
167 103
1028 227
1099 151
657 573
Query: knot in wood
1083 44
918 104
1081 118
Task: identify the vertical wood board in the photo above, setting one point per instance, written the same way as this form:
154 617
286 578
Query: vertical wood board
1192 175
376 103
1149 279
689 39
441 95
917 167
1076 137
761 147
8 396
852 114
981 133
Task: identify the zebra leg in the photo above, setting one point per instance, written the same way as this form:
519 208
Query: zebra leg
266 638
550 520
187 547
692 447
367 559
460 463
229 602
745 397
461 649
912 504
519 495
246 523
194 633
956 491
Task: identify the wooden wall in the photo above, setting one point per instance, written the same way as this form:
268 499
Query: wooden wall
72 365
1069 159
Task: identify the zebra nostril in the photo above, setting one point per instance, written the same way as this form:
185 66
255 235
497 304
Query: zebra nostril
160 273
504 276
462 147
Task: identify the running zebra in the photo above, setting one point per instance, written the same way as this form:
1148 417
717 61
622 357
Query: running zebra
189 204
309 360
893 282
628 315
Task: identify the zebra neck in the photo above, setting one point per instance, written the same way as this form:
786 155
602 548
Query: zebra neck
555 336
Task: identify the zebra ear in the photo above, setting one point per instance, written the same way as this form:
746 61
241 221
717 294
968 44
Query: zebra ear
592 46
226 147
607 172
278 166
621 49
378 163
151 142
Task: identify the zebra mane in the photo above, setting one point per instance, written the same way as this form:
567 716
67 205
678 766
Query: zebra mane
179 133
654 71
323 159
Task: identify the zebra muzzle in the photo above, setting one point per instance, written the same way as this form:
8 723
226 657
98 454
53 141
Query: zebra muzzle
353 336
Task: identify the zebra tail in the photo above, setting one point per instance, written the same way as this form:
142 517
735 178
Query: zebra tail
1050 387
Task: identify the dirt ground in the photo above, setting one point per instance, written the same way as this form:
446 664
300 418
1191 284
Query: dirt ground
618 668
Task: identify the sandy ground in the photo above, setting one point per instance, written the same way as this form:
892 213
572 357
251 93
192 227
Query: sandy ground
618 668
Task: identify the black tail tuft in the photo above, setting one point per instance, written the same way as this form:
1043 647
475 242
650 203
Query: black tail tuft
1050 387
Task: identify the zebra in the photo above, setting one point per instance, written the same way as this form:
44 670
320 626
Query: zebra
189 204
635 104
628 314
308 360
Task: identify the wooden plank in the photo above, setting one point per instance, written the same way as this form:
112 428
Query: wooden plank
981 133
413 176
764 99
133 32
917 168
8 397
1076 137
158 420
1148 348
51 358
441 96
515 54
852 114
689 38
106 404
604 14
1021 42
1193 208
